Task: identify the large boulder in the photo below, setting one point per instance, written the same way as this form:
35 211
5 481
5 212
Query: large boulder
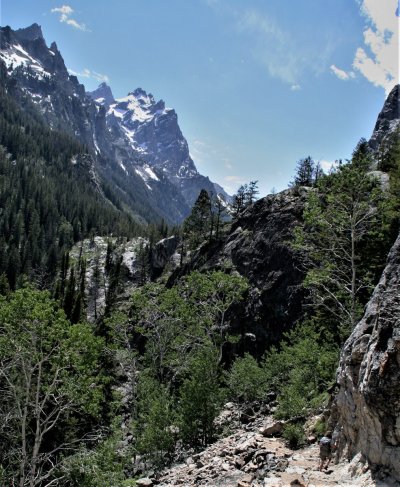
367 406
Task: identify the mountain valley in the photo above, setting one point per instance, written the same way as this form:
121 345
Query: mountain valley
155 330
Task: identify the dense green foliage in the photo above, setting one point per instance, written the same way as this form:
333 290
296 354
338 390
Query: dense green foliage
345 237
180 387
200 398
247 381
156 420
299 373
50 385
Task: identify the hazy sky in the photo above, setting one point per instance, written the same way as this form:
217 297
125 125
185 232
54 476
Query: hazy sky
257 84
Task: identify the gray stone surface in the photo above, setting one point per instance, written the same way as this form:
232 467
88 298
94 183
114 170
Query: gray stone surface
367 405
388 120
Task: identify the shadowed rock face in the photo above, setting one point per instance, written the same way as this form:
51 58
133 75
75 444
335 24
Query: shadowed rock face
258 248
368 401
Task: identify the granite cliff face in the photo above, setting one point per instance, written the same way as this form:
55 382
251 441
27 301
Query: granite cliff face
388 121
367 406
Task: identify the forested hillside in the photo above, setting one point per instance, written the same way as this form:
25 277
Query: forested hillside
50 197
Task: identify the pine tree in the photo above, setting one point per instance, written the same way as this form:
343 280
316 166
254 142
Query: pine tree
306 172
219 210
245 196
197 226
342 220
239 201
252 192
143 263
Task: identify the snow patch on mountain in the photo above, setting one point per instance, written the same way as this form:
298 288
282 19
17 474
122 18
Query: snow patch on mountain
16 56
147 174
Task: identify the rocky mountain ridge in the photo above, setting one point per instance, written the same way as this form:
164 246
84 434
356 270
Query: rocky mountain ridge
153 131
142 156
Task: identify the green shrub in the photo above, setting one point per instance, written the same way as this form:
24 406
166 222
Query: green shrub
200 399
155 426
294 435
246 380
301 371
98 467
320 428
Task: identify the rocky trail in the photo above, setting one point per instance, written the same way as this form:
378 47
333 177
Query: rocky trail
255 456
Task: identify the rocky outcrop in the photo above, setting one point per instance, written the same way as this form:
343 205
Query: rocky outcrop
388 120
367 406
258 247
163 254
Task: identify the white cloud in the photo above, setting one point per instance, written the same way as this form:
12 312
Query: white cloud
65 12
100 77
234 179
282 52
378 59
326 166
341 74
87 73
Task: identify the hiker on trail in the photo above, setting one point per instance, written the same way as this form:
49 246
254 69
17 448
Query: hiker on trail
326 446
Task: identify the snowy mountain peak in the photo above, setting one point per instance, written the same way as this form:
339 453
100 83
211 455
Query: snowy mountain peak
102 95
137 139
137 107
153 132
139 93
26 50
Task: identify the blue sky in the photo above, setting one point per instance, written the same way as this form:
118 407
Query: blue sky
257 84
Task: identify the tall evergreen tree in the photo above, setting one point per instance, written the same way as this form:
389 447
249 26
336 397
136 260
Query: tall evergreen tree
196 227
341 221
307 172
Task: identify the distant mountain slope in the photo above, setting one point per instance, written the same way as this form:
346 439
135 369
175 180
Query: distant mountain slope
136 143
153 131
50 194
